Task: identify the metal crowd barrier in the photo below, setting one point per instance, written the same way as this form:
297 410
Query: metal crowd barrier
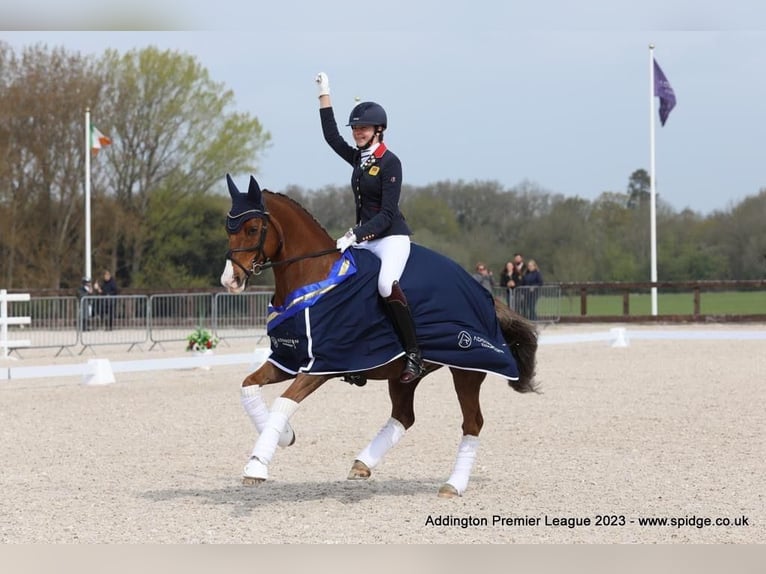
243 315
53 325
113 320
540 303
134 320
173 317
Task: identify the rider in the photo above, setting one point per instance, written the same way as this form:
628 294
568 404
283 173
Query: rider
376 181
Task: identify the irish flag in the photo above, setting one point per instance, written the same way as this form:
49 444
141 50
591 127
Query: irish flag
98 140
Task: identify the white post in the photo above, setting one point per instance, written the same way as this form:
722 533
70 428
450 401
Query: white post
4 321
87 195
652 188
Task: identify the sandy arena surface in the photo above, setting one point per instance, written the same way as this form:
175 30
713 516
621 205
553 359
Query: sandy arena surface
657 429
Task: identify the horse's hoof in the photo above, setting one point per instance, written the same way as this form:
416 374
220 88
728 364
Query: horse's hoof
255 472
252 481
287 438
359 471
448 491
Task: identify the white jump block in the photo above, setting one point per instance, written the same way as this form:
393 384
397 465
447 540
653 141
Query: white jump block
619 337
98 372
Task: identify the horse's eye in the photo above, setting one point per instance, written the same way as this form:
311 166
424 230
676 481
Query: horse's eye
252 231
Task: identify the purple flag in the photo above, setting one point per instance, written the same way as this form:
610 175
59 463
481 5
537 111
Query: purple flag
664 92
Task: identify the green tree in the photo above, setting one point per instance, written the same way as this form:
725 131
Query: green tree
426 212
741 238
187 245
174 132
43 93
639 189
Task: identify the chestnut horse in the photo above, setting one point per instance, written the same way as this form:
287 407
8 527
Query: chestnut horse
268 230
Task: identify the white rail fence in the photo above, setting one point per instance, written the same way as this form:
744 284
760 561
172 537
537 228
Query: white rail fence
8 345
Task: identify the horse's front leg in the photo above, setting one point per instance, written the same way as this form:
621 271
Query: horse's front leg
402 418
256 470
253 403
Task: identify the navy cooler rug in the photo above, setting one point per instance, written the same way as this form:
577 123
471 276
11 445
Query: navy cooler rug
340 326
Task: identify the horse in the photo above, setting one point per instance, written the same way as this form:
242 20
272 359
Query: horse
268 230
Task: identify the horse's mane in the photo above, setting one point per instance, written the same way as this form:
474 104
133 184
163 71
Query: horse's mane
290 200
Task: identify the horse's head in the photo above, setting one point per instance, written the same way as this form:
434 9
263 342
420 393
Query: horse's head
252 242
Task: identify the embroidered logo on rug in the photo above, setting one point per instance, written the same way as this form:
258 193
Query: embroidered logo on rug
289 343
464 340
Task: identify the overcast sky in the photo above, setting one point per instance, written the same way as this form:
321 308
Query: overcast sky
556 94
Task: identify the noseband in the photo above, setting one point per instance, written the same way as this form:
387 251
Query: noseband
259 261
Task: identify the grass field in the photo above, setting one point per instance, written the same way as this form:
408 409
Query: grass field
712 303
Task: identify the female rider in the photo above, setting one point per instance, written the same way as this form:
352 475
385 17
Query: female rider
376 181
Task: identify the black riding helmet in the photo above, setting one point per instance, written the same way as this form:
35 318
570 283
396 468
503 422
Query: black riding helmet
368 114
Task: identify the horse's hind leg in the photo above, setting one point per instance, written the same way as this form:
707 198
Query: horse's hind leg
467 387
402 418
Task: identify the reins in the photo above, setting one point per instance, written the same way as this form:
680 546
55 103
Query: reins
268 264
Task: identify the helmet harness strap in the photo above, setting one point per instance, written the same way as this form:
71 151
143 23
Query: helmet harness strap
370 141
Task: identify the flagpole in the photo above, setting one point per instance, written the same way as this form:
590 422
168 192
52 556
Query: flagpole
652 188
87 195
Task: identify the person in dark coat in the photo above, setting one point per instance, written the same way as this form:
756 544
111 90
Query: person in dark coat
107 287
532 279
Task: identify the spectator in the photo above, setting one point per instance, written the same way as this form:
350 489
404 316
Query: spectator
108 288
484 277
517 276
506 280
532 280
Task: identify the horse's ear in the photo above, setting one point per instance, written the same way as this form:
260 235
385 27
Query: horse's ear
233 191
254 193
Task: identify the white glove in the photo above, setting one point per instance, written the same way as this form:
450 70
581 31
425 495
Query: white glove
346 241
323 83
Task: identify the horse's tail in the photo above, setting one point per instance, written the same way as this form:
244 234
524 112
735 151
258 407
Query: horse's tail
521 336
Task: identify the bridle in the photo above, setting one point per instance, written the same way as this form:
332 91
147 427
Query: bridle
259 262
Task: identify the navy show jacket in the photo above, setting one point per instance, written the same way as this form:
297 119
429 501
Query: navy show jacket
377 185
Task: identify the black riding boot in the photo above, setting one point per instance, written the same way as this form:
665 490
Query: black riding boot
401 318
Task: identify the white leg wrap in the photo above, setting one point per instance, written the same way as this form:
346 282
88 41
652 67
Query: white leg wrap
466 454
256 469
385 440
255 406
258 411
266 445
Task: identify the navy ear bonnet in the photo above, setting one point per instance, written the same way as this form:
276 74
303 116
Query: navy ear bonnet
244 206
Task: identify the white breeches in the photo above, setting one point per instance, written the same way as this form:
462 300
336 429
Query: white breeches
393 252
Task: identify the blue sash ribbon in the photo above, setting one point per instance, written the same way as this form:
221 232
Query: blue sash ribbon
308 295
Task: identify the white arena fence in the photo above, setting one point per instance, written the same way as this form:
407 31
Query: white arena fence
69 324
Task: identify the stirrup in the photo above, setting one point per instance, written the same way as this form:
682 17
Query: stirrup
355 379
413 368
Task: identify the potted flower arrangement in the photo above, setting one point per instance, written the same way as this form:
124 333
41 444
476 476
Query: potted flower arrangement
201 340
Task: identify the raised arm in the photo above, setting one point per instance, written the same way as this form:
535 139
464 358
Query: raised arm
329 126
